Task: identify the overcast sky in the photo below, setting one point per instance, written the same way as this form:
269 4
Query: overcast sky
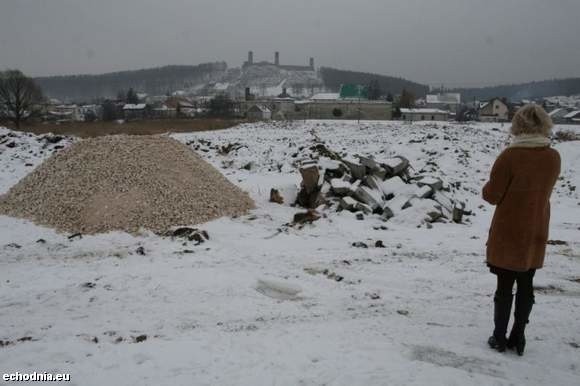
450 42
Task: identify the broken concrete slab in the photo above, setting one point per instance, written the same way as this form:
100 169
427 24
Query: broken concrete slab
424 191
443 200
396 186
360 207
372 182
341 187
357 170
369 196
348 203
419 212
370 163
396 165
433 182
399 202
381 173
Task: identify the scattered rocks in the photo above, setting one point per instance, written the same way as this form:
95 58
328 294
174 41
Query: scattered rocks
359 244
548 289
276 197
5 343
12 246
190 234
373 295
379 244
230 147
140 251
326 272
557 242
307 217
89 338
403 312
139 338
52 138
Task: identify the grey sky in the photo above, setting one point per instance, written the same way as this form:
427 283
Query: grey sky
450 42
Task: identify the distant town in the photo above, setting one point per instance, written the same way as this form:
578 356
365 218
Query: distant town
270 90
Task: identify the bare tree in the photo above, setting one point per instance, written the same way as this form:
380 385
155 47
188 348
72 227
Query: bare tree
18 94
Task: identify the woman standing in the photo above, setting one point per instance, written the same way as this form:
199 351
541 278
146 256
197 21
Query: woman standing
520 185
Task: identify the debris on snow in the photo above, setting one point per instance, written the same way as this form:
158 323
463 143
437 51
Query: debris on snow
368 185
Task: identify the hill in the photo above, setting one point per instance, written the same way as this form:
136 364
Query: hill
333 78
531 90
153 81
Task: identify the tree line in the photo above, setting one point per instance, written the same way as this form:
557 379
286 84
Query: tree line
379 86
531 90
153 81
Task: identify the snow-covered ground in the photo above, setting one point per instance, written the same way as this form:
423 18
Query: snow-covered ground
416 312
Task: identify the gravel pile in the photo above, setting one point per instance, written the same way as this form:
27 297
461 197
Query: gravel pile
124 183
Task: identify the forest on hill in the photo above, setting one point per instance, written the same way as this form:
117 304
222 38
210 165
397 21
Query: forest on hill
153 81
531 90
333 78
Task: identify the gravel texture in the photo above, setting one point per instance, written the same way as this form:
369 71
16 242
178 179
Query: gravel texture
124 183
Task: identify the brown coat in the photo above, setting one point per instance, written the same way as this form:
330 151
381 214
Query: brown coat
520 184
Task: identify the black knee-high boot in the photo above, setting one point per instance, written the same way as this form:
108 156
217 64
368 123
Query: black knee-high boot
501 317
517 339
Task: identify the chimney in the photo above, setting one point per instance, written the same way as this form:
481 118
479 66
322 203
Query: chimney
250 57
277 58
312 63
247 94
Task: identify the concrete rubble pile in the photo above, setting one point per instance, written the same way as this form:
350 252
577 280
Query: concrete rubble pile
367 185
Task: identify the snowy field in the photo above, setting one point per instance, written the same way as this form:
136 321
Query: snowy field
416 312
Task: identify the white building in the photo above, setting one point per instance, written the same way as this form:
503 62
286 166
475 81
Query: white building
572 117
259 112
494 110
424 115
66 113
558 114
448 101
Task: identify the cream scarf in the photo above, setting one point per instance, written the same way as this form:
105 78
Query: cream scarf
530 140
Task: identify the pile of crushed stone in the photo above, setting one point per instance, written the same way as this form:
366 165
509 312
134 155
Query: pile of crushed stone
124 183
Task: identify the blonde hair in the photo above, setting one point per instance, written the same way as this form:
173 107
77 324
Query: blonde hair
532 119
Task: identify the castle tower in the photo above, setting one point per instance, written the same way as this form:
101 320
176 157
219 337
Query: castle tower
250 57
312 63
277 58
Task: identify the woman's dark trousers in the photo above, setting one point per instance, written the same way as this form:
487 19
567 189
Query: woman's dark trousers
503 304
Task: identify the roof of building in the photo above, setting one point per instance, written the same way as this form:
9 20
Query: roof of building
327 96
131 106
423 111
260 108
555 111
572 114
447 98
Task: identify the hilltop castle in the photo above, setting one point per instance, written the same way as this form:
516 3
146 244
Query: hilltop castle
250 62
